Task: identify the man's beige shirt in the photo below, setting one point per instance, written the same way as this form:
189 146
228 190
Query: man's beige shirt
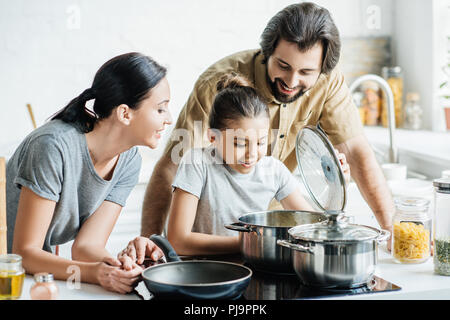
327 103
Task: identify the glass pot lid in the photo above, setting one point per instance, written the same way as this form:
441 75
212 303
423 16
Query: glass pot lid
335 232
320 169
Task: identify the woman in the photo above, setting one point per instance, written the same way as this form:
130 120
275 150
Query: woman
69 179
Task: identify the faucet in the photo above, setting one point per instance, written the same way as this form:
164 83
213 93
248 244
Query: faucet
393 152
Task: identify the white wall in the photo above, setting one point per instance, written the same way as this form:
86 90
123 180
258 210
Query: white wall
419 34
50 49
441 46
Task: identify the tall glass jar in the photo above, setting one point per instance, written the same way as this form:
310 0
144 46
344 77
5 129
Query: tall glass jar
413 112
411 241
11 276
441 235
394 77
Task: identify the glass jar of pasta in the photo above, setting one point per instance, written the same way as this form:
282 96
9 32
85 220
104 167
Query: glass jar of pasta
411 241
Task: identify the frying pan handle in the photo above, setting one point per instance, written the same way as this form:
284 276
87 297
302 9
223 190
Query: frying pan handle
166 247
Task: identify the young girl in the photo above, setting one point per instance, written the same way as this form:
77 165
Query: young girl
215 185
70 178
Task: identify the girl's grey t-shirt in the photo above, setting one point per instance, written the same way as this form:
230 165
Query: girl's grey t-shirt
225 194
54 162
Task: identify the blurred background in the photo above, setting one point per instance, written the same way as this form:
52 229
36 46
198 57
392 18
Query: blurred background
51 49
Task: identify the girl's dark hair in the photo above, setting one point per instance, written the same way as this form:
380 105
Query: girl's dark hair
236 98
125 79
304 24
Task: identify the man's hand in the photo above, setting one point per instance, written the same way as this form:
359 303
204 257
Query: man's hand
344 165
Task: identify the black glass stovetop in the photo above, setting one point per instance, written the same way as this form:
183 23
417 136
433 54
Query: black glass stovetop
269 286
273 286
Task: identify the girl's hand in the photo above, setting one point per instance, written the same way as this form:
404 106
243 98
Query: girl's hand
137 250
111 277
344 165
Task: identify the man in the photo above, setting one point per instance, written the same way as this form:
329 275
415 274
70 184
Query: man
295 72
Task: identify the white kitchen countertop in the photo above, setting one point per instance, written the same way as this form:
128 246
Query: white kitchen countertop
417 281
86 291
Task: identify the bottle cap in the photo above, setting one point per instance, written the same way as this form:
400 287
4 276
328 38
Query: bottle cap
412 96
442 185
391 72
43 277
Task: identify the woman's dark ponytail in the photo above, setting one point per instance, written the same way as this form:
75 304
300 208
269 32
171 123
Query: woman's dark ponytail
87 94
77 113
125 79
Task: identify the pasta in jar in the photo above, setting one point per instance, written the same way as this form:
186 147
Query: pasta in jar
411 242
411 230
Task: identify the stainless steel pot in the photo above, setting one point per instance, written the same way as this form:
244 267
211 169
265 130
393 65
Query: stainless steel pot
343 257
259 232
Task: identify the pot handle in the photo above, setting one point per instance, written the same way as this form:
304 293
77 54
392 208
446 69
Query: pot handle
237 226
295 246
166 247
384 235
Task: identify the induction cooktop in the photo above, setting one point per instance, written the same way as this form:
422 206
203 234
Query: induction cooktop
272 286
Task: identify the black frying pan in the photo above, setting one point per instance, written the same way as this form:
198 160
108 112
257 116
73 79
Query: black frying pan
194 279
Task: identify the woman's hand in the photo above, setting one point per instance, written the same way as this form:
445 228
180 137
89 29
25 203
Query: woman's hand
344 165
111 277
137 250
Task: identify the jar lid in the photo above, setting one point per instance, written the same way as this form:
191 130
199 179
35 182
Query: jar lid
442 184
337 232
411 204
412 96
10 258
10 262
320 170
395 69
43 277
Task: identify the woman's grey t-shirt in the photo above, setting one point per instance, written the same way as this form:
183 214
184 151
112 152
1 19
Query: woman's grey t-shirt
225 194
54 162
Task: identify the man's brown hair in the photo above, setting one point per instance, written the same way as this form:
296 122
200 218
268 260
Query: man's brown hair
305 24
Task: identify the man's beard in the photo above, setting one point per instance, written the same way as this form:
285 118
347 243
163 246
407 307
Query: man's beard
283 98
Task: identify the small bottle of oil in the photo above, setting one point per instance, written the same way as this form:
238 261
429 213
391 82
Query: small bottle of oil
11 276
